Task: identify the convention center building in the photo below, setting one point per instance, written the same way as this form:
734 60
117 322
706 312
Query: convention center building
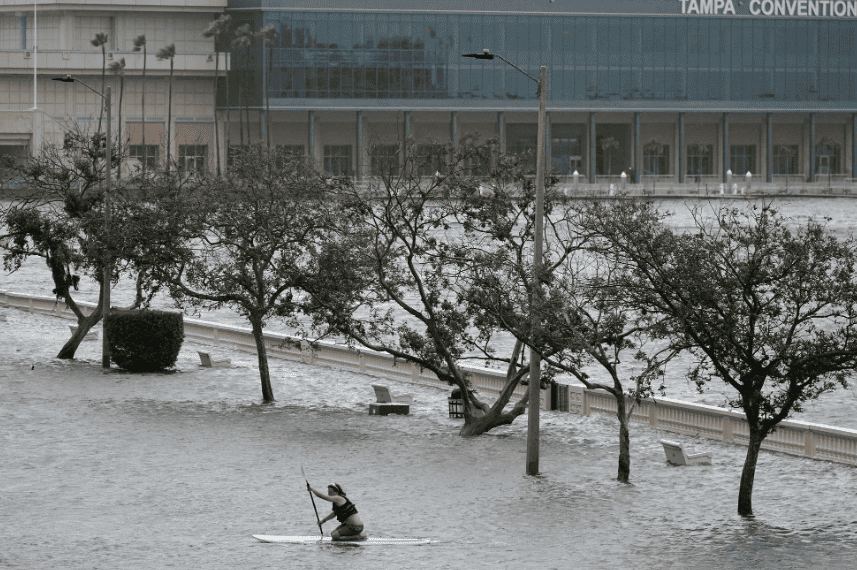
685 91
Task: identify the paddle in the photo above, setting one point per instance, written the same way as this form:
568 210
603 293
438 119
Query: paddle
317 518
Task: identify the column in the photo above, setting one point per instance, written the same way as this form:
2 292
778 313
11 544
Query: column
591 152
453 136
681 168
811 147
725 145
854 146
311 137
501 131
359 145
406 135
638 159
769 171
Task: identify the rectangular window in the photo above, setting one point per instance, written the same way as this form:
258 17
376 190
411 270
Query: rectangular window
656 159
135 151
192 157
430 159
742 159
337 160
384 159
700 159
827 156
290 150
521 141
567 148
17 154
785 159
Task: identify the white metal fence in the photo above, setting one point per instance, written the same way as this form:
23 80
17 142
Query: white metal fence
805 439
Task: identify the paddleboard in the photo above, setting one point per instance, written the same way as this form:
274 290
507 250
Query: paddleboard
328 540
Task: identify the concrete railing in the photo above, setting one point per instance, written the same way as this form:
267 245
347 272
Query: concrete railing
805 439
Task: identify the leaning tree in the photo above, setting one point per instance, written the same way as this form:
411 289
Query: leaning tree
388 279
61 218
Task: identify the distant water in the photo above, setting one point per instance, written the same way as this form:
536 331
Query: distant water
120 471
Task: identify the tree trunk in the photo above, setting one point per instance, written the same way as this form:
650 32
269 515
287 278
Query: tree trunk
495 417
748 475
84 325
624 441
262 354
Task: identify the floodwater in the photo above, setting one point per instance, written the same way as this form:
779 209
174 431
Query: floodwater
126 471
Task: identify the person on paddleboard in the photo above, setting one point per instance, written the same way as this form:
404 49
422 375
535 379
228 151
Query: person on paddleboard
351 527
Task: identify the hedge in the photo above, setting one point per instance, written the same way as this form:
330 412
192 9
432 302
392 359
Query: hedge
144 341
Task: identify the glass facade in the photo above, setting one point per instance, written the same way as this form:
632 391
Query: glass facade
417 56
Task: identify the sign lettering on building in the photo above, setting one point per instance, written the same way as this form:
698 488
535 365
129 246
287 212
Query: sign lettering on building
798 8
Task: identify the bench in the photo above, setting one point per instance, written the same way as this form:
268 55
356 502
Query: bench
207 362
676 455
388 403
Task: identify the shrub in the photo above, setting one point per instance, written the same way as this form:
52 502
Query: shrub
144 341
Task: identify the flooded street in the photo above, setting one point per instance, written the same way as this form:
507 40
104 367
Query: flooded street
128 471
178 470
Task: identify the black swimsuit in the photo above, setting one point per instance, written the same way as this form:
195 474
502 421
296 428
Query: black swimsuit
345 510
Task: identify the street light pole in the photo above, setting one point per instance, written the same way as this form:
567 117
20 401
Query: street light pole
534 389
108 183
535 304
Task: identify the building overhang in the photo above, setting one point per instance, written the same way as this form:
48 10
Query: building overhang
204 6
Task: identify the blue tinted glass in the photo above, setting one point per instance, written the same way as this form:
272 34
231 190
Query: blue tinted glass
351 55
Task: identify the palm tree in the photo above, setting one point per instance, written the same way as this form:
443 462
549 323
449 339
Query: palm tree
100 40
140 43
169 52
215 29
242 41
118 68
267 34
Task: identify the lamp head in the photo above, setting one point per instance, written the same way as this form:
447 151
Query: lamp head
64 79
486 54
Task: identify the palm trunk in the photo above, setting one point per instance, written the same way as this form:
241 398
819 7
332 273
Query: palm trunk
228 120
262 354
145 149
119 129
103 86
748 475
170 117
216 92
268 101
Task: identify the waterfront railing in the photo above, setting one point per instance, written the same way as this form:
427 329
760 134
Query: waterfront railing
815 441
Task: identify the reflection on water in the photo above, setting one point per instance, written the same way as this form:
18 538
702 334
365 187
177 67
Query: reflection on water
116 470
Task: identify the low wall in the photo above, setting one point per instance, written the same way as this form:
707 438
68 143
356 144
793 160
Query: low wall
805 439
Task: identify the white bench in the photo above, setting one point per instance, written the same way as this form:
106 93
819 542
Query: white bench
207 362
388 403
677 456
